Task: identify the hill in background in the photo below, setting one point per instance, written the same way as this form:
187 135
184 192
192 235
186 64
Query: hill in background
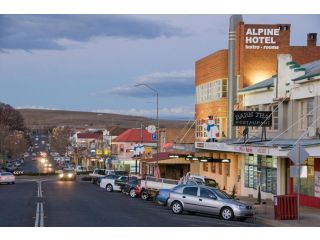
39 118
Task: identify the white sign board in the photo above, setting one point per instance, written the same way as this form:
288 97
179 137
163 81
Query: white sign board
151 129
303 171
295 152
317 184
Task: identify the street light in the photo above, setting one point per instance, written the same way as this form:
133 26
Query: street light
158 137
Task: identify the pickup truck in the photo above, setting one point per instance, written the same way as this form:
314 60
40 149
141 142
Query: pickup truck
98 174
150 186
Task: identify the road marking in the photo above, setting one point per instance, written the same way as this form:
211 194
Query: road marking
39 222
41 215
37 216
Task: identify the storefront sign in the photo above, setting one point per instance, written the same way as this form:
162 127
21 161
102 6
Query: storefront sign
262 38
317 184
252 118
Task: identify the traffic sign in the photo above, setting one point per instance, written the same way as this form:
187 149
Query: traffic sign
151 129
298 155
154 136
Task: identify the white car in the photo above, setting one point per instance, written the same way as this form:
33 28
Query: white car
7 177
108 183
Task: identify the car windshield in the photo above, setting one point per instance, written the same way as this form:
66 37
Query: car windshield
210 182
68 171
222 194
6 174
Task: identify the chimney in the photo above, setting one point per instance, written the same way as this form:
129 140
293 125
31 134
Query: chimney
312 39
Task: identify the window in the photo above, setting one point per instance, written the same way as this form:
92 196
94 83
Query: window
205 167
227 166
206 193
211 91
190 191
275 117
220 168
307 185
261 170
213 167
305 113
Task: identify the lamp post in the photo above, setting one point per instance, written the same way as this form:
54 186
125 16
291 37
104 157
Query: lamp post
157 94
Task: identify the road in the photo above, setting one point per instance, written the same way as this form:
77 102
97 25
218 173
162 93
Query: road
46 201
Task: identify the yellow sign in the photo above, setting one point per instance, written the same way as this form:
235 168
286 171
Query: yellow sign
105 152
98 152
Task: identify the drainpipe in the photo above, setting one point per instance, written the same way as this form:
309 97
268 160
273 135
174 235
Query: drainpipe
232 80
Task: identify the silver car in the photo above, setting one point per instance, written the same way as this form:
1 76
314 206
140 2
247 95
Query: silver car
208 200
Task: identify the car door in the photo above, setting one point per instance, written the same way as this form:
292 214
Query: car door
189 197
208 202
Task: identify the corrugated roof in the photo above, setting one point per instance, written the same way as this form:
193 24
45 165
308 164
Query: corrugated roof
134 135
312 69
268 83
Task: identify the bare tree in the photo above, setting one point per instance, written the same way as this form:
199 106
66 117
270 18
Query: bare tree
59 139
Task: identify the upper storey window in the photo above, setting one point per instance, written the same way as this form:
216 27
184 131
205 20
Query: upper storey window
211 91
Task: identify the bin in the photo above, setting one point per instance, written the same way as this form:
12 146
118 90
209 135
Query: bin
285 207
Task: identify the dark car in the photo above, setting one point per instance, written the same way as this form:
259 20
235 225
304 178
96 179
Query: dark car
68 174
132 187
123 180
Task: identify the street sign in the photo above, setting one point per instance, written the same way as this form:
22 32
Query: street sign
151 129
154 137
295 152
303 171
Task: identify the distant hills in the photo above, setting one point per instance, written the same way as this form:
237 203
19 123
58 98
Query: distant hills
39 118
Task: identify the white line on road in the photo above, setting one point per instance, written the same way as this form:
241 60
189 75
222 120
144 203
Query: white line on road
41 215
39 222
37 216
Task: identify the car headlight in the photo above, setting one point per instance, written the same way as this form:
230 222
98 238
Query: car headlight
61 175
70 175
241 206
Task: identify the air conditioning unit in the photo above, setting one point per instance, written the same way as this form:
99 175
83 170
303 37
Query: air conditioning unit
311 131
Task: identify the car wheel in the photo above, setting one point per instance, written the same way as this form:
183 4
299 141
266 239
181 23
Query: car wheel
144 195
133 193
13 182
177 207
226 213
109 188
93 181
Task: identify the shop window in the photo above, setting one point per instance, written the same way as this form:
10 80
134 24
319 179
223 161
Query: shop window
307 184
261 170
205 167
213 167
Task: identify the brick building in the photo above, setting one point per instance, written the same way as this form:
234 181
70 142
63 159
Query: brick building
255 51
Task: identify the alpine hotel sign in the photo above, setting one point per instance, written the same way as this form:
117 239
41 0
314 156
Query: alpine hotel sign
252 118
262 38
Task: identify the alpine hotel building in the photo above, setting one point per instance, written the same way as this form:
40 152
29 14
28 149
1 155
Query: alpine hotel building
252 58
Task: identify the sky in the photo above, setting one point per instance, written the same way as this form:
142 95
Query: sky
93 62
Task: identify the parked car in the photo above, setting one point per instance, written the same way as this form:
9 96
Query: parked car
110 176
207 200
68 174
109 182
132 187
7 177
124 180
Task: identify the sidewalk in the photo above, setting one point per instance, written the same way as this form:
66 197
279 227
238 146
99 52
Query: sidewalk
264 214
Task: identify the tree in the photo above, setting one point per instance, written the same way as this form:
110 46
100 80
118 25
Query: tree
12 137
59 139
11 118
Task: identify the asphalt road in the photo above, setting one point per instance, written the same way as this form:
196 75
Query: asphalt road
80 204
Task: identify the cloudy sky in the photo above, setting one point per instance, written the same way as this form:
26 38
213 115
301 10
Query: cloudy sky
92 62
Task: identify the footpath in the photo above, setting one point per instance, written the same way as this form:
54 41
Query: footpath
264 214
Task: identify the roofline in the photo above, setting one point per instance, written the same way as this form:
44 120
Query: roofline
262 89
306 77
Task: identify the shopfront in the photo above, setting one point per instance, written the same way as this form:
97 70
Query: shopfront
309 183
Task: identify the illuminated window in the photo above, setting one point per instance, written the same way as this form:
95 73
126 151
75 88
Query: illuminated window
211 91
